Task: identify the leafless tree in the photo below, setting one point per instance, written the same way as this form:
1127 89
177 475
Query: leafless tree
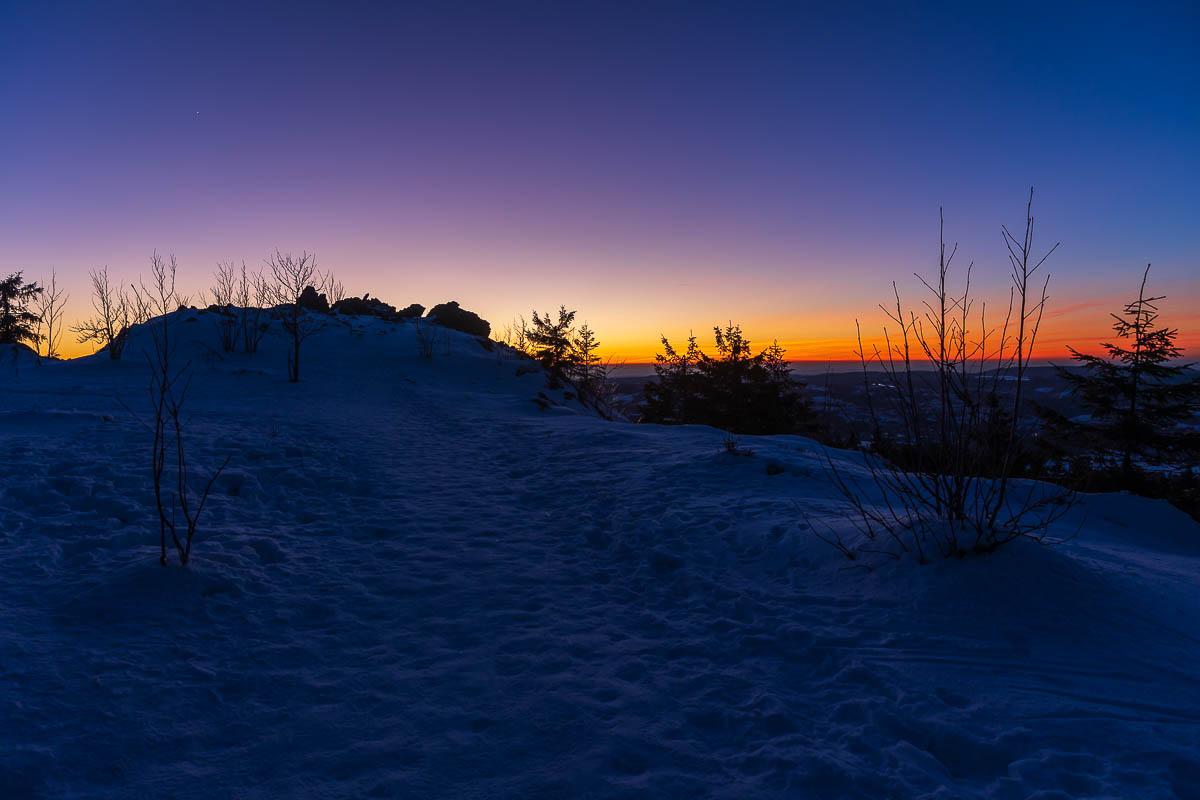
49 307
112 315
224 286
428 336
605 390
946 484
290 276
333 288
251 296
137 303
224 291
160 298
516 335
178 503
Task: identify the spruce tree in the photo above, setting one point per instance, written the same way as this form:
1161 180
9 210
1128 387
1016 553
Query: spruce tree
587 369
551 341
737 390
668 400
724 380
1137 395
18 325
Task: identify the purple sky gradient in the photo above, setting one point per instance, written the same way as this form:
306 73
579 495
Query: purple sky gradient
658 166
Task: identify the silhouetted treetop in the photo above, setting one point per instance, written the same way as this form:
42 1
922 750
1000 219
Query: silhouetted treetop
738 390
18 324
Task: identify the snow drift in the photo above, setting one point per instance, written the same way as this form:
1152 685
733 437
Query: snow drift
413 580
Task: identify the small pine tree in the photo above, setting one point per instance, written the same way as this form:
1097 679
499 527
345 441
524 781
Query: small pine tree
778 399
587 369
737 391
551 342
774 361
668 400
18 325
723 384
1139 393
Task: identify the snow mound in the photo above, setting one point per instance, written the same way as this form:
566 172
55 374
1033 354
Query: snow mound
16 359
411 581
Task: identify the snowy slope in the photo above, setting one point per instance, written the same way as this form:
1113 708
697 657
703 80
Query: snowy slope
414 582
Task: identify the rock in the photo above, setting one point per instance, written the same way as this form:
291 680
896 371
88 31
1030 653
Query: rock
365 306
451 315
411 312
313 301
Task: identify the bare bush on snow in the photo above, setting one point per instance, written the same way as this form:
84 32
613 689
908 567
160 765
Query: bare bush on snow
948 486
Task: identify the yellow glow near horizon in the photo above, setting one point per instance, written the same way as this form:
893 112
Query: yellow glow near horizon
828 337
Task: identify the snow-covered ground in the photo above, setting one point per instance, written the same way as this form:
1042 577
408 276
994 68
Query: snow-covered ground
414 582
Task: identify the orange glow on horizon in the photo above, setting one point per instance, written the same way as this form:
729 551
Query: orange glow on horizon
830 350
639 347
812 315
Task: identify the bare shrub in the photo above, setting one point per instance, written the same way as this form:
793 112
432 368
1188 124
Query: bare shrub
606 389
112 316
178 503
224 291
428 336
290 276
161 297
139 308
945 484
733 446
333 288
251 295
49 307
516 335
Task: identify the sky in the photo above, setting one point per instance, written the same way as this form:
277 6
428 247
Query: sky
661 167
